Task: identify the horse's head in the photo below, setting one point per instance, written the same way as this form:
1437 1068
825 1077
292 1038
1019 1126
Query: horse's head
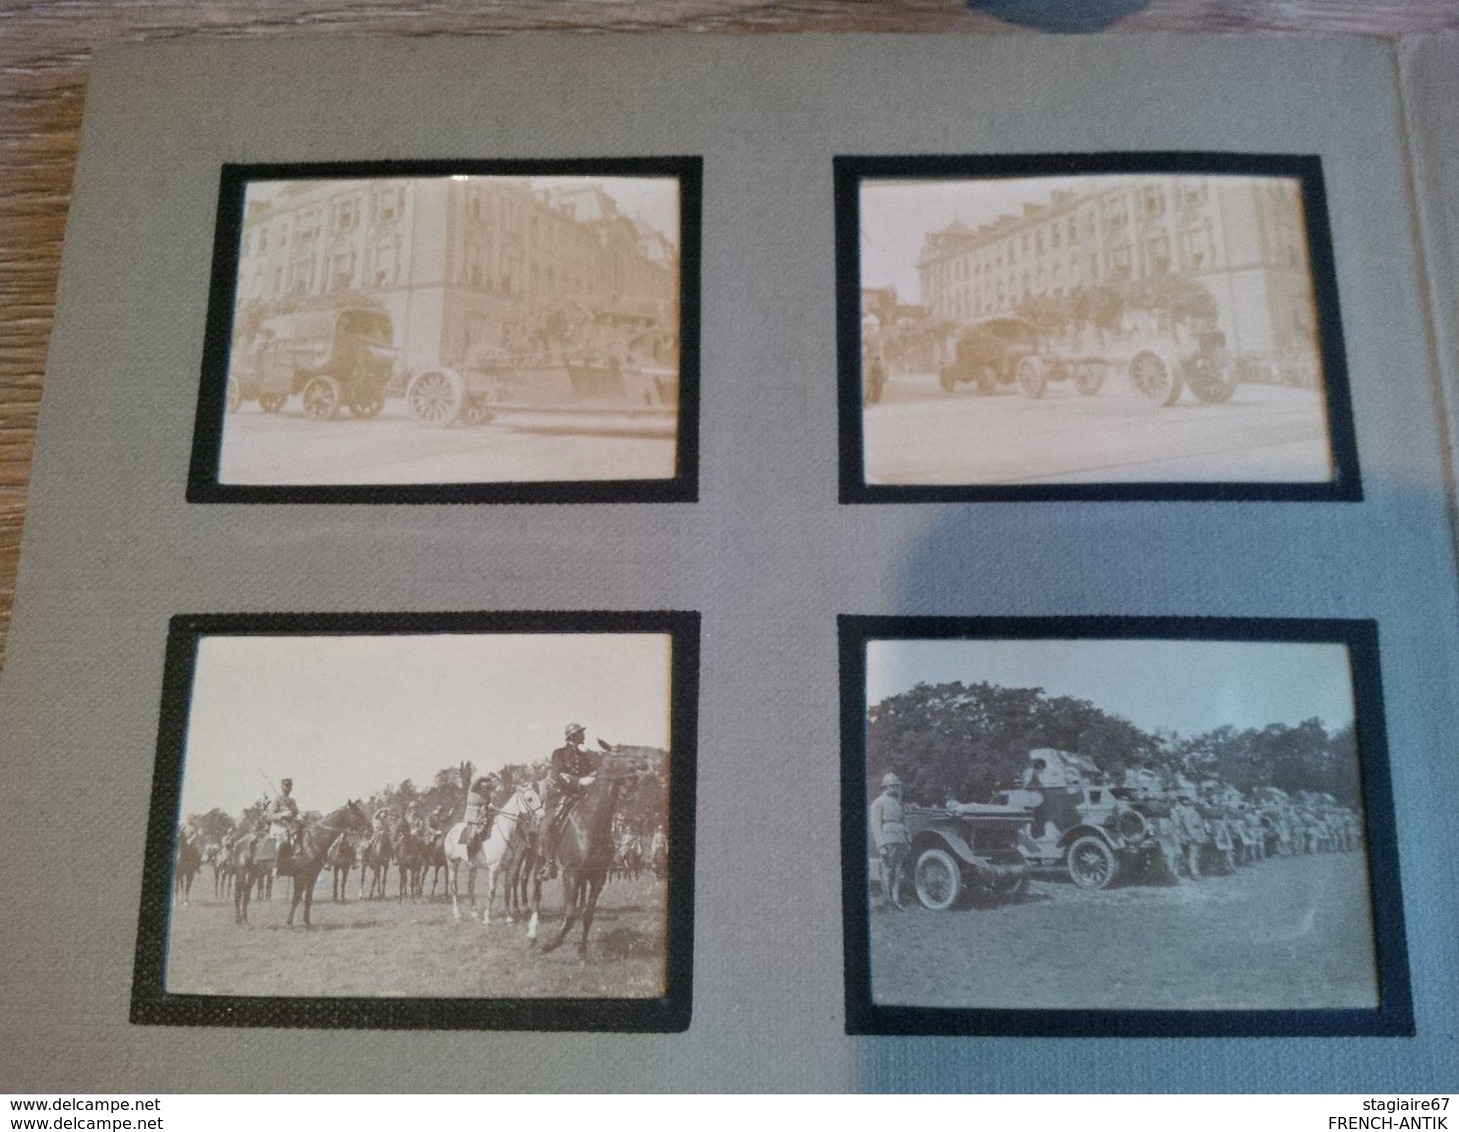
528 798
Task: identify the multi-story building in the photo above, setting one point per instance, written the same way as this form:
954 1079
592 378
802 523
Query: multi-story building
1243 238
460 263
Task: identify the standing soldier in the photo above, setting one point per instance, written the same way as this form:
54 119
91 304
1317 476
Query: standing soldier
1192 831
890 837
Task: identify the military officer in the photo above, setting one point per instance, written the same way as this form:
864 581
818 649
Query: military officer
890 838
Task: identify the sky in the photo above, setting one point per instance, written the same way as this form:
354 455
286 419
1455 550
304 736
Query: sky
1189 687
653 200
344 716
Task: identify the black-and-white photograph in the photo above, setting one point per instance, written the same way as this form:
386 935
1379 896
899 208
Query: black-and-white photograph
478 813
413 329
1147 820
1052 332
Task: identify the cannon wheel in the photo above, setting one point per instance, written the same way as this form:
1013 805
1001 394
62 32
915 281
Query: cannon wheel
437 397
1031 377
321 398
1089 378
938 878
235 395
948 379
1155 378
1092 863
272 402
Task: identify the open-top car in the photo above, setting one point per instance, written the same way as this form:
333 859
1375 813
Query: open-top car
965 852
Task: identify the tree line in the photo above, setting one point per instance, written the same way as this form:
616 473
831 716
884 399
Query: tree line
966 741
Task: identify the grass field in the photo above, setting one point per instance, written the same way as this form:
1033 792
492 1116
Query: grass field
384 948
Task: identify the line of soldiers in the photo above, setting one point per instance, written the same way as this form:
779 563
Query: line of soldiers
1216 826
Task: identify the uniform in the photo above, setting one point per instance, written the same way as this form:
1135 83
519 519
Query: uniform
890 837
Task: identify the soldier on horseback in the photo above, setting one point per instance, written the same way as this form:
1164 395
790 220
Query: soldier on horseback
283 820
573 769
480 809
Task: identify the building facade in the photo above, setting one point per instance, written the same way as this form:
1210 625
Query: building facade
1243 238
461 264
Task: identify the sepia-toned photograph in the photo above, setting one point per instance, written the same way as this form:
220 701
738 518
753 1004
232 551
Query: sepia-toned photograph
1026 331
475 329
451 815
1152 827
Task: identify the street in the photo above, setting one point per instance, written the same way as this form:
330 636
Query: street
394 448
919 434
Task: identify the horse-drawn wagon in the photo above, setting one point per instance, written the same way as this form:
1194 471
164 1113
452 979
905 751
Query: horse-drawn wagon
965 851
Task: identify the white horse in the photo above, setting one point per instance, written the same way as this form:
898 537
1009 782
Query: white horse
508 837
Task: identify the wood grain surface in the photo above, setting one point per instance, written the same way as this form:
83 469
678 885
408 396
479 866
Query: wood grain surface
45 48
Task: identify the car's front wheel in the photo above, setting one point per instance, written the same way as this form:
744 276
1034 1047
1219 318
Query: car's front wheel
1092 863
938 879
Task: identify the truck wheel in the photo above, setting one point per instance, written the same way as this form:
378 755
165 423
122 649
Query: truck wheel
1092 863
1153 377
939 880
1211 383
1031 377
1089 378
321 398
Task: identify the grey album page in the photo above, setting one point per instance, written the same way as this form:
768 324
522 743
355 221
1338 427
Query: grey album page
767 554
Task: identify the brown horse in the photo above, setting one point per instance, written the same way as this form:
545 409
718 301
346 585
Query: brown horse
376 857
189 864
341 860
411 856
246 871
585 849
306 862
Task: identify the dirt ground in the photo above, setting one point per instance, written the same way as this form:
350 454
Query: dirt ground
381 948
1289 933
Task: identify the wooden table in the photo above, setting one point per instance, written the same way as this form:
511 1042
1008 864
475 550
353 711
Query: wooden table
45 47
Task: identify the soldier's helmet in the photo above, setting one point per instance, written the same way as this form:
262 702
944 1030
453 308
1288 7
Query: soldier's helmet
575 729
286 782
890 779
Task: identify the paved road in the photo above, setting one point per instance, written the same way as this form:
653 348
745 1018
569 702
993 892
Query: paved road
920 435
289 448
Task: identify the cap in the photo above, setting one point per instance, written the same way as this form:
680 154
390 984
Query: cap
890 779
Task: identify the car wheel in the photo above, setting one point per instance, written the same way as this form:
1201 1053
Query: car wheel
1092 863
272 402
948 379
321 398
478 410
235 396
939 880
